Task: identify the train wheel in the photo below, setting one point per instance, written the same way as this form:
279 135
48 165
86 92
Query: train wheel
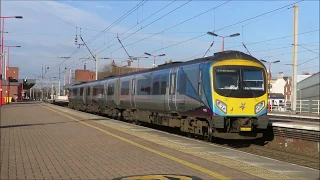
207 136
190 135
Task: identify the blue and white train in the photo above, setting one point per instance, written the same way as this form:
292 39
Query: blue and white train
223 96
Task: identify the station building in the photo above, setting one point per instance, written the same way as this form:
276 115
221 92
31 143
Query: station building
14 88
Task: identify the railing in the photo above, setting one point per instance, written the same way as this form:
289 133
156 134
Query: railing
303 106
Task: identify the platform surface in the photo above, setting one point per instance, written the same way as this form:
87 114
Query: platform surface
299 115
295 124
42 141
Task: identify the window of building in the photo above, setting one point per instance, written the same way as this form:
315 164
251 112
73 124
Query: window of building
125 88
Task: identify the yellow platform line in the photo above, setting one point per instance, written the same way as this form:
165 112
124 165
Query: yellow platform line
183 162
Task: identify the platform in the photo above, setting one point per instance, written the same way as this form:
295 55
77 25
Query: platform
43 141
295 124
300 116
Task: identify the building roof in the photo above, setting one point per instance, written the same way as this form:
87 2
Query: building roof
302 77
29 84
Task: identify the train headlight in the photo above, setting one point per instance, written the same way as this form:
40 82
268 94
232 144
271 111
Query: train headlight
222 106
259 107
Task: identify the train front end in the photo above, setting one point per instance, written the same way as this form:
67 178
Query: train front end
240 98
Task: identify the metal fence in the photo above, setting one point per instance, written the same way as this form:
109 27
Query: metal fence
303 106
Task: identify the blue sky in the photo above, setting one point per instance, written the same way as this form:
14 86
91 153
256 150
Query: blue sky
44 35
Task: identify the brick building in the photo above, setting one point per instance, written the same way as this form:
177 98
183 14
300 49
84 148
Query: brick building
15 87
84 75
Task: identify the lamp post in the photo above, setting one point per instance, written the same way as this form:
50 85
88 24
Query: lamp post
223 37
96 64
154 57
138 58
2 50
269 77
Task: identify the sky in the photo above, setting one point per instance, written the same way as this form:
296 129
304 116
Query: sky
48 29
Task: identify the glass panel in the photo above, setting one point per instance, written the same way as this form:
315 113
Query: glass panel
125 88
227 78
252 79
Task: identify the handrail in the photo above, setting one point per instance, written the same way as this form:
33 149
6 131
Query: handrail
303 106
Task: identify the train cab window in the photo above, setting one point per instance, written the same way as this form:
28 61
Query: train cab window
227 78
252 79
125 88
110 89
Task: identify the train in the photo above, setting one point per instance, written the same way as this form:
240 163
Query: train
220 96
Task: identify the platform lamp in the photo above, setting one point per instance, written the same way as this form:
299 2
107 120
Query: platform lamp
269 78
154 57
138 58
2 49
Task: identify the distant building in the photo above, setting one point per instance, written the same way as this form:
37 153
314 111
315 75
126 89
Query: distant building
279 84
308 88
276 99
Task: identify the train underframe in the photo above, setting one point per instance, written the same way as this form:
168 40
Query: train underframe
206 128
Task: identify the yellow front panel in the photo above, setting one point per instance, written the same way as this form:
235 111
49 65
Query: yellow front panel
238 106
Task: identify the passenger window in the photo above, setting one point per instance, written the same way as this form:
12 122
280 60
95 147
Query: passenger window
182 83
163 87
111 89
144 87
155 88
125 88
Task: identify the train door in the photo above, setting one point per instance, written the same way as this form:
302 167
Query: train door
133 91
172 90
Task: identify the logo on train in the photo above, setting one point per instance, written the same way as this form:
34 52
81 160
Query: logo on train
242 106
158 177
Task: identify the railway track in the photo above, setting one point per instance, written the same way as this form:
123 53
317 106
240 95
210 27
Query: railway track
257 147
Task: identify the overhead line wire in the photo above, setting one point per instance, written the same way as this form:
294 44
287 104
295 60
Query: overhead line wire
165 29
117 21
308 49
135 25
220 28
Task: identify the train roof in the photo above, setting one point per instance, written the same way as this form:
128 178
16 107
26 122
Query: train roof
219 56
225 55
